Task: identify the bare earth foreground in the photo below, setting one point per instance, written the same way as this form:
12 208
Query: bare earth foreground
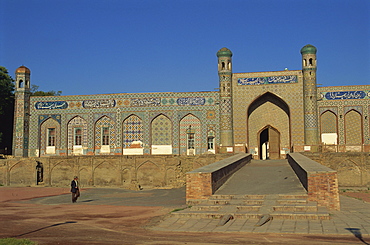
45 215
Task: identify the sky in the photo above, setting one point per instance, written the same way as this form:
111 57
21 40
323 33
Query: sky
120 46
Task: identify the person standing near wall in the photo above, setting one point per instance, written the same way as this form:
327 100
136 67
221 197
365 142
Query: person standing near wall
74 189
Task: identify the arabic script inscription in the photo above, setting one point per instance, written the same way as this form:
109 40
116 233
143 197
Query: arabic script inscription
51 105
267 80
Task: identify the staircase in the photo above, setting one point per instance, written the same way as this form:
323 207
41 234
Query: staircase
279 206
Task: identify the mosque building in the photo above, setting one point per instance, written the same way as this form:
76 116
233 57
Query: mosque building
267 114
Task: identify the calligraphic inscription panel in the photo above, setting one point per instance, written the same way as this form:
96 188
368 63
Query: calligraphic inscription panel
267 80
51 105
191 101
146 102
346 95
102 103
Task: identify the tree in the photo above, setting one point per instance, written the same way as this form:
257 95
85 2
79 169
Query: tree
36 92
6 108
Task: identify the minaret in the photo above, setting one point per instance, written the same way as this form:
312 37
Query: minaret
225 76
309 67
21 112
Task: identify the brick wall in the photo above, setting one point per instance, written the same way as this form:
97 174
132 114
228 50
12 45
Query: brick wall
320 181
201 183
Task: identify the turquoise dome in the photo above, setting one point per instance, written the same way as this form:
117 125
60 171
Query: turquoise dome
224 52
309 49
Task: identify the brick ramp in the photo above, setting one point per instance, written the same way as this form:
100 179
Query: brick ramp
259 188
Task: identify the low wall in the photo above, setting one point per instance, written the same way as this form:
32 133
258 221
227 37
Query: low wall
353 168
320 181
203 182
129 172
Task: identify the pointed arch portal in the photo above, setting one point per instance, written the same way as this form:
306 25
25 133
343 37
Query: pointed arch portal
268 122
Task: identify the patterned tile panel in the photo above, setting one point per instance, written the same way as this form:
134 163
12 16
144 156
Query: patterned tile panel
161 131
185 123
132 130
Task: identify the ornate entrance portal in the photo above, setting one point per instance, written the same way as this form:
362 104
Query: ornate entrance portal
269 143
268 125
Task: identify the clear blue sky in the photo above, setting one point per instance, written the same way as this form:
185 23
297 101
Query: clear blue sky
113 46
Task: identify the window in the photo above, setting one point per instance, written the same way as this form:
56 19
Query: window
190 133
78 136
51 136
190 141
210 143
105 136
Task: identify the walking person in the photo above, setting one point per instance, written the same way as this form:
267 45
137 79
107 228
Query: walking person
74 189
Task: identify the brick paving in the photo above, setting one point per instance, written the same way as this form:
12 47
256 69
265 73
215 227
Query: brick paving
354 216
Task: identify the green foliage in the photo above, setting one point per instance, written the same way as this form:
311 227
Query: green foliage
14 241
36 92
6 90
6 107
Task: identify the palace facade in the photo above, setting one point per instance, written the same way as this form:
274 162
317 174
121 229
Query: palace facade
268 114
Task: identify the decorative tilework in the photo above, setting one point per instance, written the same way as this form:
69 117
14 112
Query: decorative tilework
132 130
356 108
44 117
49 123
51 105
161 131
267 80
333 109
146 102
346 95
191 101
211 114
99 103
310 121
353 128
194 122
105 122
328 122
74 123
225 106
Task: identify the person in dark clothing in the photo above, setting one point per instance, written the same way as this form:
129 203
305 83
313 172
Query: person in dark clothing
74 189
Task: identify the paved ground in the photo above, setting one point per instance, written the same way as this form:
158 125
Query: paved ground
117 216
263 177
270 178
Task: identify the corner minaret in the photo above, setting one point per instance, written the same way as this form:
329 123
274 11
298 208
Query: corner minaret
226 119
21 112
309 66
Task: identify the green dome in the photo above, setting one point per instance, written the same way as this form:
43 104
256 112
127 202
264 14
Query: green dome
309 49
224 52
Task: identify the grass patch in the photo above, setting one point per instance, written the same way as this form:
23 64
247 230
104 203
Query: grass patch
14 241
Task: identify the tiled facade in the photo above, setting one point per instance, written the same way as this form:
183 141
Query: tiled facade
233 119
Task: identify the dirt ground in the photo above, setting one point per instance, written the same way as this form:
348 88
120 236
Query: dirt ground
362 195
107 224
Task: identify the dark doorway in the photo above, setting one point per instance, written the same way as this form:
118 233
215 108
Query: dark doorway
269 143
39 173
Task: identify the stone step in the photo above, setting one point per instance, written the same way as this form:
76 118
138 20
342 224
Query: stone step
223 209
301 215
253 215
312 207
226 202
291 201
243 197
299 196
283 206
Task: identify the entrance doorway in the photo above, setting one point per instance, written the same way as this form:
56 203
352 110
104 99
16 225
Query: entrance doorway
269 143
